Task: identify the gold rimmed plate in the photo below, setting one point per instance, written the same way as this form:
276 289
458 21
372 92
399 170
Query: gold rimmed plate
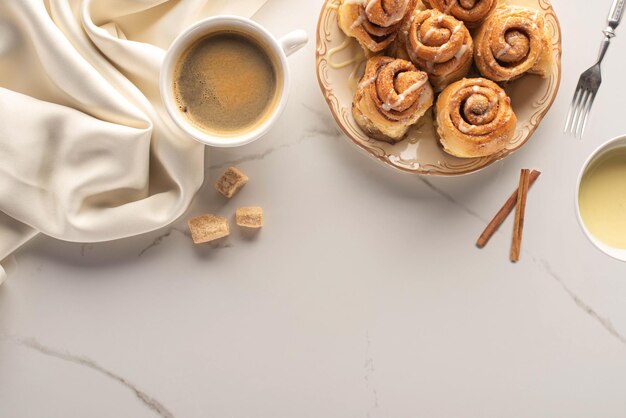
340 61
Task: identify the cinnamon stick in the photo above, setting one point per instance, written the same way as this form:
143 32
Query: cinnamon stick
518 228
503 213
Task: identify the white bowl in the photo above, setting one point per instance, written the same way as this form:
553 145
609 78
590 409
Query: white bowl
619 142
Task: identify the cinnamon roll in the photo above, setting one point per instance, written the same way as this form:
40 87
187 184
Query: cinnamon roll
474 118
398 46
440 45
513 41
471 12
392 95
374 23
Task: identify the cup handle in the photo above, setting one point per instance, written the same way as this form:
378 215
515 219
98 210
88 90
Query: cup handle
293 41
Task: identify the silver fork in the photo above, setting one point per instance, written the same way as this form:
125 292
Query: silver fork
590 80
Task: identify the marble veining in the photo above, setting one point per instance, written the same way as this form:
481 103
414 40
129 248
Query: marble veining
327 129
605 322
452 200
325 298
85 249
543 264
219 244
369 373
328 126
159 239
33 344
251 157
580 303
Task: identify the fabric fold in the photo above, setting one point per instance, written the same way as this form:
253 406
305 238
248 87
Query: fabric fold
88 151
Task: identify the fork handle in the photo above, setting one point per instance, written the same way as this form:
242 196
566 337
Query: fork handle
615 17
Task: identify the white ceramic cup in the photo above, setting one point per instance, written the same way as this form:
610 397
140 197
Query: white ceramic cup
279 49
619 142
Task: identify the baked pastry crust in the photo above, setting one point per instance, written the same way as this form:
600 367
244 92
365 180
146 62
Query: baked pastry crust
471 12
374 23
474 118
391 96
440 45
512 42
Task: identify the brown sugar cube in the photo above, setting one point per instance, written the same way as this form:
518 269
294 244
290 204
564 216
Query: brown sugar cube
207 228
251 217
231 181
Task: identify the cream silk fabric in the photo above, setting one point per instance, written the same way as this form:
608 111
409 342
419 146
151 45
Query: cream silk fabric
87 152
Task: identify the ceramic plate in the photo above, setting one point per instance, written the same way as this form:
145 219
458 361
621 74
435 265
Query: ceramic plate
340 63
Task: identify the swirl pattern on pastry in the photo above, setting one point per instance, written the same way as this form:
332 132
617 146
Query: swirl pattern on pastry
472 12
474 118
392 95
512 42
398 47
374 23
440 45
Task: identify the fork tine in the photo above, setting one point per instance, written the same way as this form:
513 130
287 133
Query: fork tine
584 111
588 111
578 110
570 114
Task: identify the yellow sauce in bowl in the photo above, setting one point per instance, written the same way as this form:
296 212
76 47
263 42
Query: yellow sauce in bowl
602 198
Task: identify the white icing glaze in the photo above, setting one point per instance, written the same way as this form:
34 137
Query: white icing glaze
395 17
437 56
459 54
503 51
339 48
405 93
536 15
450 6
364 3
390 92
366 83
358 21
368 4
428 35
353 78
465 127
506 23
480 120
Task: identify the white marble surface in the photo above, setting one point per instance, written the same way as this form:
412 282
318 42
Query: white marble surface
363 296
